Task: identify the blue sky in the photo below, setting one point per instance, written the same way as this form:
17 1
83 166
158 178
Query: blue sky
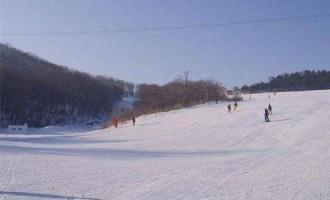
233 55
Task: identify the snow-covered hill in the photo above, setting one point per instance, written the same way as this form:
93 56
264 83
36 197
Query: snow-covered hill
194 153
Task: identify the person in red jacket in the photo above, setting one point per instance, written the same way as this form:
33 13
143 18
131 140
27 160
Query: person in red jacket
115 122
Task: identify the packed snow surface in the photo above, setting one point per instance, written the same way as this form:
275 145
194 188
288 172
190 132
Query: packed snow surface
201 152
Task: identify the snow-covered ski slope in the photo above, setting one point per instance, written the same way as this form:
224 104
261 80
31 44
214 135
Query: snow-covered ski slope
194 153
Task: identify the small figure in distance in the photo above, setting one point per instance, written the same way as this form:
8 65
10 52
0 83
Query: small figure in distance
229 108
266 115
235 106
115 122
133 120
270 109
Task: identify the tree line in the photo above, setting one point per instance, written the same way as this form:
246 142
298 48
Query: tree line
296 81
178 93
40 93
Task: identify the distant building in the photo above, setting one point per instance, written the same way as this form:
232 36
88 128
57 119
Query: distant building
18 129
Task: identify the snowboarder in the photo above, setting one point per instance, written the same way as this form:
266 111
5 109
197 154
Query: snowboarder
266 115
270 109
133 120
235 106
229 108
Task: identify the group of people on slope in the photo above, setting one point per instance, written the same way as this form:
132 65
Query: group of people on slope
229 107
268 110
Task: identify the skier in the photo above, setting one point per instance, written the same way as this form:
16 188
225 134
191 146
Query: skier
133 120
115 122
266 115
235 106
229 108
270 109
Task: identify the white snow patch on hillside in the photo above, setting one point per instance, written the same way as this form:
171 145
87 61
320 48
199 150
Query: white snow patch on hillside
193 153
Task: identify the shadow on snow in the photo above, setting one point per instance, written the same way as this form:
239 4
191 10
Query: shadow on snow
43 196
125 153
72 139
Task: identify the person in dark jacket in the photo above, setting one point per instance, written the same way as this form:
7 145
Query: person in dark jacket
266 115
270 109
133 120
229 108
235 106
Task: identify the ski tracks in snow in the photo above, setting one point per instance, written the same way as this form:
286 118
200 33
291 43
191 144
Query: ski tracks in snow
195 153
9 176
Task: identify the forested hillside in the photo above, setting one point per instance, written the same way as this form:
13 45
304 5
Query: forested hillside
40 93
178 93
305 80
